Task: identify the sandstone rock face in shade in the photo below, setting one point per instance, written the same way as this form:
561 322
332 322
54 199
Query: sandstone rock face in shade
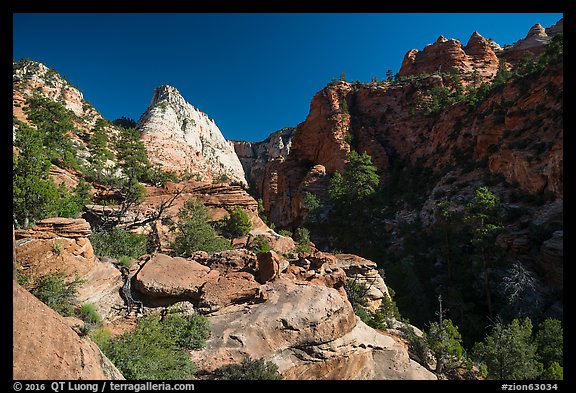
45 347
256 156
552 260
364 271
179 137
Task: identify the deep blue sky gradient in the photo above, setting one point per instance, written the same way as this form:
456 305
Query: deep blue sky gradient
252 73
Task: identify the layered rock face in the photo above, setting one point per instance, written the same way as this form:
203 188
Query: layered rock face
255 156
447 55
179 137
45 347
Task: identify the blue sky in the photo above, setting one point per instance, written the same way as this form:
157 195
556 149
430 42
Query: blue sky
252 73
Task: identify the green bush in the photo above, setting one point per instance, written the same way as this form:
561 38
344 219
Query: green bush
189 332
554 372
222 178
302 237
356 293
87 312
117 243
194 232
285 232
237 224
260 244
72 204
125 261
156 349
249 369
53 290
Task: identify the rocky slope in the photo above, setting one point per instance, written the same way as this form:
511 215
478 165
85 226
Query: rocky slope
45 347
287 307
290 310
179 137
31 77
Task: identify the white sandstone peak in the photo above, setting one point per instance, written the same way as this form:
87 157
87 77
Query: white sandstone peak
180 137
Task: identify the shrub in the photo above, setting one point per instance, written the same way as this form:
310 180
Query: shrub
260 244
189 332
249 369
87 312
125 261
164 342
72 204
417 345
194 233
302 237
285 232
356 293
117 243
57 247
237 224
222 178
53 290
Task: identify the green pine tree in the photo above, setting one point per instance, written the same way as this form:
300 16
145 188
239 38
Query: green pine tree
509 351
34 195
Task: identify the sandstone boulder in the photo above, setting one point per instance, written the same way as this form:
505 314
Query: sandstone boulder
212 282
270 265
164 276
310 332
232 288
45 347
101 287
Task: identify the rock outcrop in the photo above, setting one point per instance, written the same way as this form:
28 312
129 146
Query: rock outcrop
61 245
31 77
218 198
181 138
364 271
220 280
256 156
448 55
534 44
55 245
310 332
45 347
